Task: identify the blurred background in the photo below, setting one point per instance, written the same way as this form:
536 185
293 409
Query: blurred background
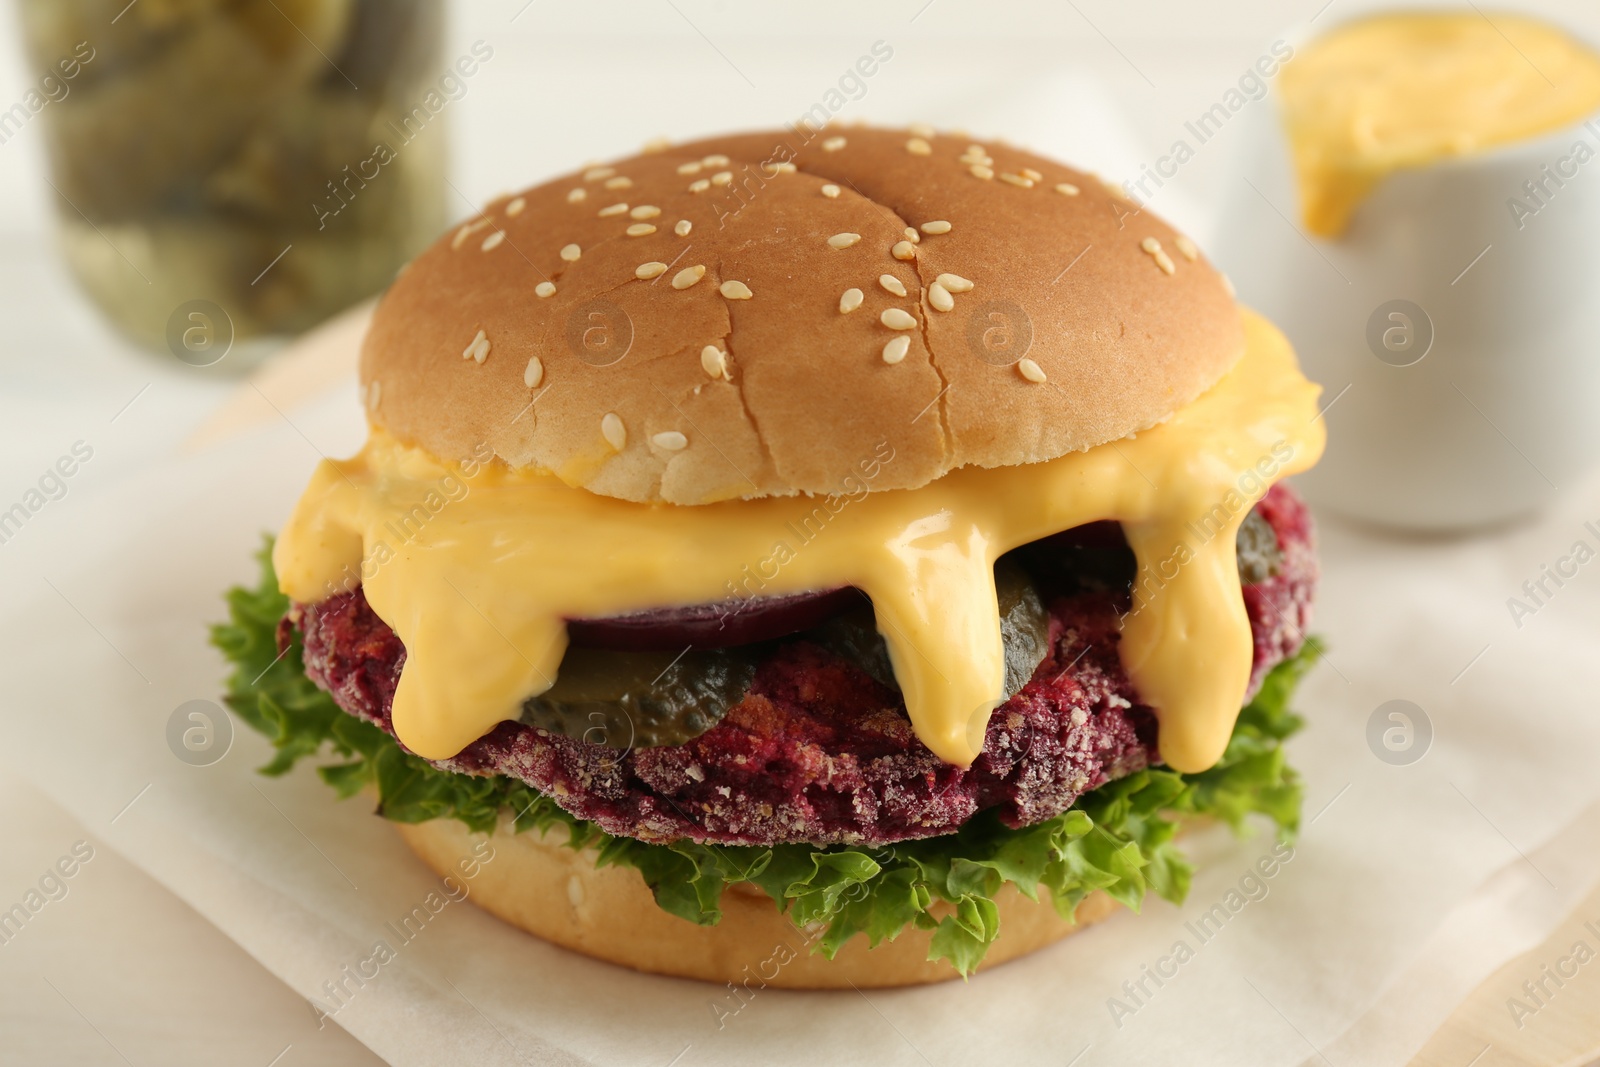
215 178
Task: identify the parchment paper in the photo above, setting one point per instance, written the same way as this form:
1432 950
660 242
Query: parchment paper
1410 883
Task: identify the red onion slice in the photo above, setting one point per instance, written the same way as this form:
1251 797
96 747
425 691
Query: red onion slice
723 624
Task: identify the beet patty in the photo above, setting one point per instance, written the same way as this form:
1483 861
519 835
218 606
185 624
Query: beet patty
817 751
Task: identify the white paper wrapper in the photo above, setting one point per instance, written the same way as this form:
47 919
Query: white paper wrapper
1409 885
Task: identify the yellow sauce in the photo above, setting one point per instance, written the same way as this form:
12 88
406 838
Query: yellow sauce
1400 91
475 568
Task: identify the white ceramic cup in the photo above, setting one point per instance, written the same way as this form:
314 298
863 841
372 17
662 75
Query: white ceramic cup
1457 341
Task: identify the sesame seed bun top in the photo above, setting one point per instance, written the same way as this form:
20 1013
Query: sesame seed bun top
747 316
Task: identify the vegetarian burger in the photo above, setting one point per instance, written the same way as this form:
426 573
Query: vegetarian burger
813 557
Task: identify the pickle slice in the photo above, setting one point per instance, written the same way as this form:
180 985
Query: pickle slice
1091 558
649 699
1024 624
1096 557
1024 632
629 700
854 636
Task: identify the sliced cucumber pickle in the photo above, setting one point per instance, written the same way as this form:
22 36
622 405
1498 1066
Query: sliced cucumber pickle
1024 624
632 700
649 699
854 636
1024 632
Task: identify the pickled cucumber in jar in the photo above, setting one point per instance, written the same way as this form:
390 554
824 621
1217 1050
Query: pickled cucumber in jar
240 152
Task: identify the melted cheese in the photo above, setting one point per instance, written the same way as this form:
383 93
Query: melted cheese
475 567
1400 91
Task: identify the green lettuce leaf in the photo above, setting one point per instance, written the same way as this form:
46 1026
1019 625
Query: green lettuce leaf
1117 838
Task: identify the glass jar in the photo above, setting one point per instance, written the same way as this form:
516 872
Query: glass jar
257 160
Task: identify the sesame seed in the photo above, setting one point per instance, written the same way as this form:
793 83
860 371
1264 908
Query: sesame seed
514 208
699 186
493 240
896 349
544 289
830 191
937 226
614 209
735 290
1227 283
478 348
671 440
1186 248
1115 191
689 168
833 144
919 147
688 276
657 144
776 167
955 283
1017 180
898 319
921 129
373 392
1157 253
1030 370
714 362
576 195
534 374
652 269
570 253
715 161
903 250
467 231
976 149
843 240
683 227
619 182
1032 175
981 171
613 431
912 235
594 174
940 297
1067 189
640 229
645 211
893 284
849 300
722 177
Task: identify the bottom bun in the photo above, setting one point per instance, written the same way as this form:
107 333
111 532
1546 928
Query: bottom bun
537 883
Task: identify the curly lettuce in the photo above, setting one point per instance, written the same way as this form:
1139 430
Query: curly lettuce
1117 838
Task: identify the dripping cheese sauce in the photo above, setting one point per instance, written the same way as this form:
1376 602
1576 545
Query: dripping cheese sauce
479 590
